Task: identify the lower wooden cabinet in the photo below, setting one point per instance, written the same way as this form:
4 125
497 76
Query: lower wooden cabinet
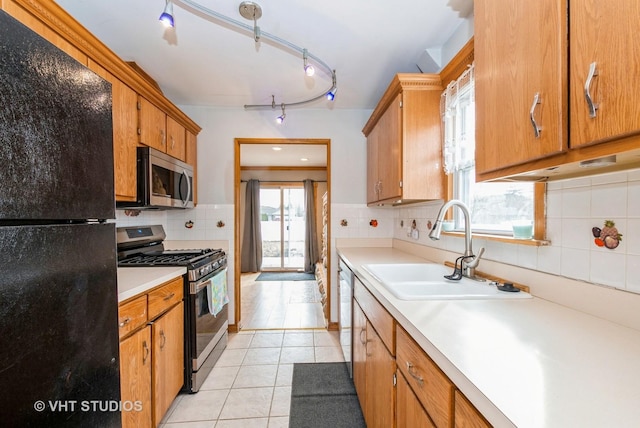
466 415
151 353
168 360
409 411
135 379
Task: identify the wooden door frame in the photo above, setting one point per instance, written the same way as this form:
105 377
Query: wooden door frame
237 316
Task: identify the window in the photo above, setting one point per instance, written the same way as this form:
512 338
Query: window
494 207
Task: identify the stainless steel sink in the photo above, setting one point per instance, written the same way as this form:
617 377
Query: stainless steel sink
425 281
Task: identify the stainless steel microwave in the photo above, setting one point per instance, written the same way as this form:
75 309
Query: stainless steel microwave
164 182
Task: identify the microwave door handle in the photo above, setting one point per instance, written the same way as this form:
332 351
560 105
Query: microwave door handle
185 201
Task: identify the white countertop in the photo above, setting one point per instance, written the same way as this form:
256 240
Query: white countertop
522 362
135 280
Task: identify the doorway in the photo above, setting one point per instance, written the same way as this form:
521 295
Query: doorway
280 166
282 215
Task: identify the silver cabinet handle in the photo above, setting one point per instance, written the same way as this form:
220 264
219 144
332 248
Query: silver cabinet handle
163 137
124 322
173 142
587 90
164 339
146 352
532 115
168 297
412 372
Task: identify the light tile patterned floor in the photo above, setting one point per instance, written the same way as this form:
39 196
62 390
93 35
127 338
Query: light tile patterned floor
250 386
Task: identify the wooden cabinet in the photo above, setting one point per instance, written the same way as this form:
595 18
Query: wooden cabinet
373 362
403 142
152 125
168 360
151 328
191 157
432 388
409 411
526 80
467 416
135 378
176 139
521 77
125 137
601 33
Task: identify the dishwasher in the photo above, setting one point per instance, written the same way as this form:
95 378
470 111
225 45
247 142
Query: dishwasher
345 301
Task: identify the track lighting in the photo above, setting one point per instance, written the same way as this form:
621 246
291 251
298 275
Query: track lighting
280 118
252 12
332 93
308 68
167 15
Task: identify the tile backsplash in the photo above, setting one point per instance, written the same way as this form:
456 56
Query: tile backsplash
573 207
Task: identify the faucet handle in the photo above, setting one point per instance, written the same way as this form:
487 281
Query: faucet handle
476 259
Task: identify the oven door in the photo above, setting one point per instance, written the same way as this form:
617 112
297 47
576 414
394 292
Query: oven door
205 329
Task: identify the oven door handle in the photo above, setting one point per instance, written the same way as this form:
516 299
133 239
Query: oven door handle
196 287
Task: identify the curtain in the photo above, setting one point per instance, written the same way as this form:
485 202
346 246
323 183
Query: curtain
311 254
457 108
251 256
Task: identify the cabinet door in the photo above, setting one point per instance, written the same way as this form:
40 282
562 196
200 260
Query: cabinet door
359 347
135 379
168 360
600 33
191 150
125 134
409 411
152 125
520 52
175 139
380 367
390 151
466 415
372 165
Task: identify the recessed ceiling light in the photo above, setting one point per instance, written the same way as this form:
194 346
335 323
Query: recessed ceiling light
304 159
276 148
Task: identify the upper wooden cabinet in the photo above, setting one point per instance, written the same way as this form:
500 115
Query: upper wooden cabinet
160 131
125 136
531 78
521 81
176 139
601 33
403 142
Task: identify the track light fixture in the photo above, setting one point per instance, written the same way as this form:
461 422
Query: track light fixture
308 68
167 14
280 118
252 11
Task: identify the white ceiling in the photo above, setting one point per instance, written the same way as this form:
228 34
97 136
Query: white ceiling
206 62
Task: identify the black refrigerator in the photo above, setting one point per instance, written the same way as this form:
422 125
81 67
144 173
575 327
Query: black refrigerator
59 362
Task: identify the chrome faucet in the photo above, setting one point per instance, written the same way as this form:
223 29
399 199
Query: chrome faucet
469 260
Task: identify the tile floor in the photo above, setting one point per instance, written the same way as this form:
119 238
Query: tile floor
280 304
250 385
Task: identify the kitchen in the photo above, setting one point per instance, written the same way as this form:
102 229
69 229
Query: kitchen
565 271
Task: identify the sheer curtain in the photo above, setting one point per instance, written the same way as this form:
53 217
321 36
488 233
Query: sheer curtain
311 254
251 256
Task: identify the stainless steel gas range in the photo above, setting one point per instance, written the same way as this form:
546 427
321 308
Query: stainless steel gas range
206 316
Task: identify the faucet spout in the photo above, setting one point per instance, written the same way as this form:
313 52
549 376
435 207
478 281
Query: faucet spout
470 261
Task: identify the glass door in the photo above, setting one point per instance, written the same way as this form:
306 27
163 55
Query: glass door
283 224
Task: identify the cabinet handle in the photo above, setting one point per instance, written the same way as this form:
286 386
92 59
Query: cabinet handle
163 137
173 142
412 372
125 322
146 352
164 339
363 341
532 115
169 296
587 90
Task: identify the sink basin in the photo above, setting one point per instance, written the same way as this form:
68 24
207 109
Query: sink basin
425 281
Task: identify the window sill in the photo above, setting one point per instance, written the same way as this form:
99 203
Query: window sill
501 238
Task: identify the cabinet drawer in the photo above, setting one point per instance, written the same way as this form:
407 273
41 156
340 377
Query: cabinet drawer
380 319
132 315
431 386
164 297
